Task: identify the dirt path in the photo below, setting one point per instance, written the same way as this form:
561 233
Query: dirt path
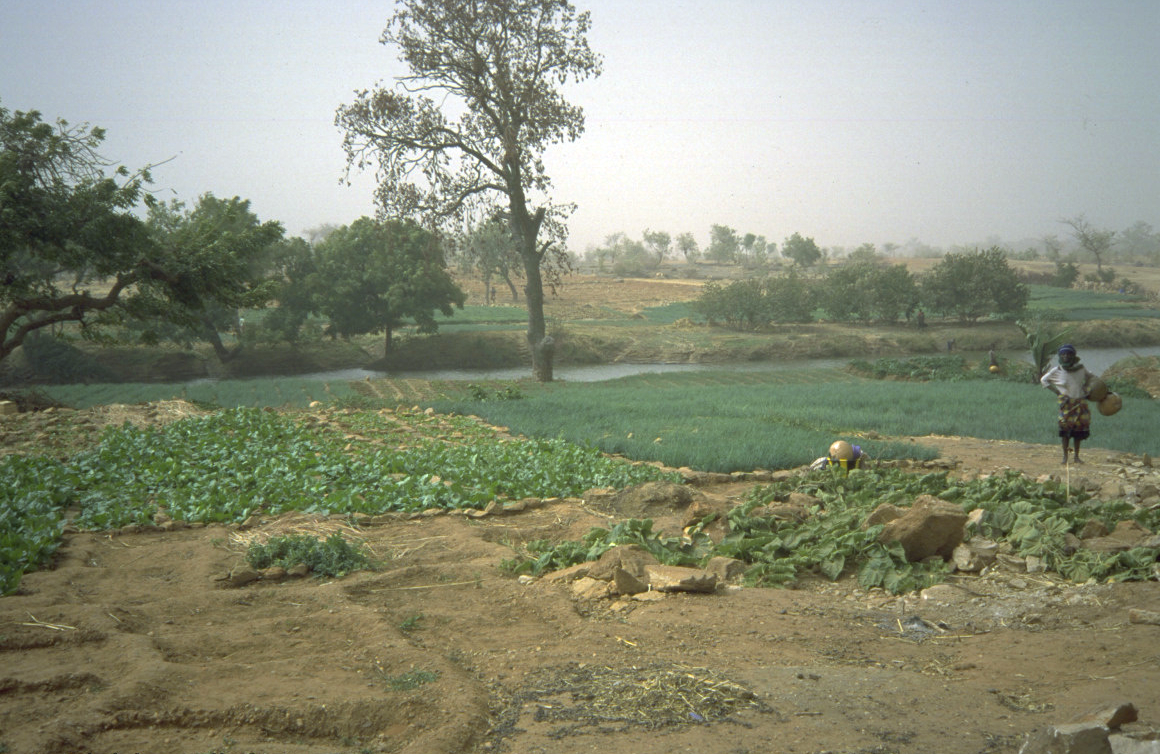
133 643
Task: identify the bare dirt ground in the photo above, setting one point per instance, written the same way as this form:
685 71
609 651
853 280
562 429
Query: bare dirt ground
133 643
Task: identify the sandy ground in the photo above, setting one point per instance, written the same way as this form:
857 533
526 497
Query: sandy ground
132 643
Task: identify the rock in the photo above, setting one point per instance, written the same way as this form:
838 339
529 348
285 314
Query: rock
930 527
726 569
975 554
1126 536
1092 529
651 498
1114 716
976 517
883 514
1148 617
1111 490
298 571
8 408
273 573
711 508
588 588
1122 744
944 594
625 583
241 576
569 574
1078 738
491 508
648 596
664 578
633 559
1012 562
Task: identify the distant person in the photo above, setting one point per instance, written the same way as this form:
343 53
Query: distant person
921 319
1069 380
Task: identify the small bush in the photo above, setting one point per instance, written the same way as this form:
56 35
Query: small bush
334 557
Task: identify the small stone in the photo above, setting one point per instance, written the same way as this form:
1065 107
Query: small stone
1148 617
239 577
298 571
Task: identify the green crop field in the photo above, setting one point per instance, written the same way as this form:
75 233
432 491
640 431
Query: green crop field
728 420
258 392
1066 304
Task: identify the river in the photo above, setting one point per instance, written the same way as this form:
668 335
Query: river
1095 359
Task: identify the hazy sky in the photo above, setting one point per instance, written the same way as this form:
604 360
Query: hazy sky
853 121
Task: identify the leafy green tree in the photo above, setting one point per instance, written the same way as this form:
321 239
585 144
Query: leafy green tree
894 291
659 244
292 266
974 284
803 251
846 293
73 249
792 297
500 67
723 245
741 305
225 249
371 277
687 246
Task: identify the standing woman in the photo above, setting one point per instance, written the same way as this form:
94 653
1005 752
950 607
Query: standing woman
1069 380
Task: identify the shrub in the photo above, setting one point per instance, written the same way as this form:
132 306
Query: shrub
335 557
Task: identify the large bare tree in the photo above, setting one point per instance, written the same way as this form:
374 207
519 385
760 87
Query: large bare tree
497 68
1091 239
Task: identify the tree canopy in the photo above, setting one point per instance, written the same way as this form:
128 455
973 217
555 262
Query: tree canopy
499 66
72 249
974 284
371 276
803 251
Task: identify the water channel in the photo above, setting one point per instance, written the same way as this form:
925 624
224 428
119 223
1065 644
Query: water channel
1095 359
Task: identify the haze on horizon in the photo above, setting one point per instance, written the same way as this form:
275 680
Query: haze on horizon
849 121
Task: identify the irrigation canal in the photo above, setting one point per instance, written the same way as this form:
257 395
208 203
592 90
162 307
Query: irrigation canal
1095 359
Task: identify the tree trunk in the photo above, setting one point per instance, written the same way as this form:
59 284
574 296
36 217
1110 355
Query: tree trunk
210 333
387 341
512 287
542 348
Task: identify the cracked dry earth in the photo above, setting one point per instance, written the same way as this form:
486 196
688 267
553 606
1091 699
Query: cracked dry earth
131 644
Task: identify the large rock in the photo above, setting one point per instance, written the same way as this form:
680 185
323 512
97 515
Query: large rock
1078 738
883 514
632 559
1127 535
930 527
726 569
663 578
